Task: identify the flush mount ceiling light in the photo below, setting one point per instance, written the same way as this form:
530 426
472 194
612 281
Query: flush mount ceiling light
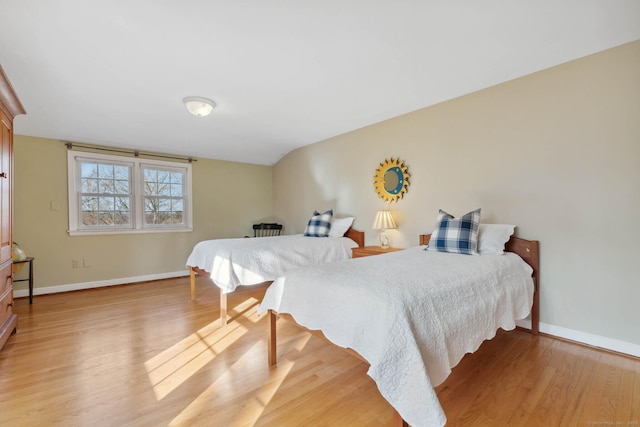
199 106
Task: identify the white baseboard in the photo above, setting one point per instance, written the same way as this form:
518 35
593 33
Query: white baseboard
558 331
97 284
585 338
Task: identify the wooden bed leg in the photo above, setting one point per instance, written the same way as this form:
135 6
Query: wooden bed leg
224 318
535 314
192 275
535 310
271 340
398 421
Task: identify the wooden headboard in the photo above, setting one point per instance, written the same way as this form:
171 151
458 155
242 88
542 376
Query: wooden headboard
529 251
356 236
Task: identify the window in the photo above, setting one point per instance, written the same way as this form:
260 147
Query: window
106 195
113 194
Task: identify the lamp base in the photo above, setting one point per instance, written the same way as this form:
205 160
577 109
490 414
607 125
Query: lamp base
384 240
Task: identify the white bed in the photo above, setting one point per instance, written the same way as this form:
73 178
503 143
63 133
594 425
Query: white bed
412 315
251 261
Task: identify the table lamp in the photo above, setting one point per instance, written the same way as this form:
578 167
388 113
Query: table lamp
384 221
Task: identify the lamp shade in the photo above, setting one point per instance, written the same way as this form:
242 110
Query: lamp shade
384 221
199 106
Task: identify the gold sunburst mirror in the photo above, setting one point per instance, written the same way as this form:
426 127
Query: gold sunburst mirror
391 180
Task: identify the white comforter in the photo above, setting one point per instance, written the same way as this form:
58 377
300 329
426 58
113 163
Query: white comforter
411 314
250 261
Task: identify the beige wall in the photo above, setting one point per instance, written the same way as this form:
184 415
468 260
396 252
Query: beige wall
556 153
228 198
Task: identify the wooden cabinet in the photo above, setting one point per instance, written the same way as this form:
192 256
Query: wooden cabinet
8 319
6 151
371 250
10 107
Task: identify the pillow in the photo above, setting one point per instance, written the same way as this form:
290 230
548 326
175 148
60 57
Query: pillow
339 226
319 224
458 236
493 237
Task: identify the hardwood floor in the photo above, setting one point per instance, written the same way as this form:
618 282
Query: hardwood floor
145 355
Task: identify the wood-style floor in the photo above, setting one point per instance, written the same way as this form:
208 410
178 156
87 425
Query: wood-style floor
145 355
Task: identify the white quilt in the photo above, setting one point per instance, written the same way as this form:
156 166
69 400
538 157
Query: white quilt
411 314
250 261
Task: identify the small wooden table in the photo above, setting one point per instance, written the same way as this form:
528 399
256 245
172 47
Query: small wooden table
371 250
28 259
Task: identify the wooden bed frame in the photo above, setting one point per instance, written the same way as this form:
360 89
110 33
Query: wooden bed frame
528 250
355 235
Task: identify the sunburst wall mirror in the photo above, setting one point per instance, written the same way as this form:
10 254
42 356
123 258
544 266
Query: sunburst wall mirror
391 180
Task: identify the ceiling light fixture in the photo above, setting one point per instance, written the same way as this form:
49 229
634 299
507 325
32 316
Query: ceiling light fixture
199 106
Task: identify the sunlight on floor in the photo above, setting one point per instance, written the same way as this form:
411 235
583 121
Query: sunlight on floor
176 365
171 368
246 309
250 410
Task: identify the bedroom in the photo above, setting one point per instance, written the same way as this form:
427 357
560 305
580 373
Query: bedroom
555 152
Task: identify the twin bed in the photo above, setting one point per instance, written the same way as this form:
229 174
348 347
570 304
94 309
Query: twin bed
230 263
411 315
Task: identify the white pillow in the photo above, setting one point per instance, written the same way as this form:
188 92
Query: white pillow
493 237
339 226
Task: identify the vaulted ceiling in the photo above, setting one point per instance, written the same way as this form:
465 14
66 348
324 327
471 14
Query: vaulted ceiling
283 73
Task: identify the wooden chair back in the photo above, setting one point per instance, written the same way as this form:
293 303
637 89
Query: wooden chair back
265 229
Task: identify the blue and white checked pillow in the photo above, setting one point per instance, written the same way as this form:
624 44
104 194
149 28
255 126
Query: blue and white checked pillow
458 236
319 225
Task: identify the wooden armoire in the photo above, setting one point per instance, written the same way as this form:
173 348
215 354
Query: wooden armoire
10 107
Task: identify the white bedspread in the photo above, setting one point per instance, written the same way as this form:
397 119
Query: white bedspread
250 261
411 314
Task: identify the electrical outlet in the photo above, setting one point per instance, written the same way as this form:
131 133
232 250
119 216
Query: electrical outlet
75 263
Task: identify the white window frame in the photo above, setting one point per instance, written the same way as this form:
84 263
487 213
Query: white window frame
137 185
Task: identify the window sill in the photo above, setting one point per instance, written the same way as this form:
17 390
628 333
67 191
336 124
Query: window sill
74 233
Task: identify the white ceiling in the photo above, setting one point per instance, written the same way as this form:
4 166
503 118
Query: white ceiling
284 73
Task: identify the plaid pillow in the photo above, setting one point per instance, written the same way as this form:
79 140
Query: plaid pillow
319 225
458 236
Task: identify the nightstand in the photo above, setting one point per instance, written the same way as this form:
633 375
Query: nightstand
363 251
29 278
